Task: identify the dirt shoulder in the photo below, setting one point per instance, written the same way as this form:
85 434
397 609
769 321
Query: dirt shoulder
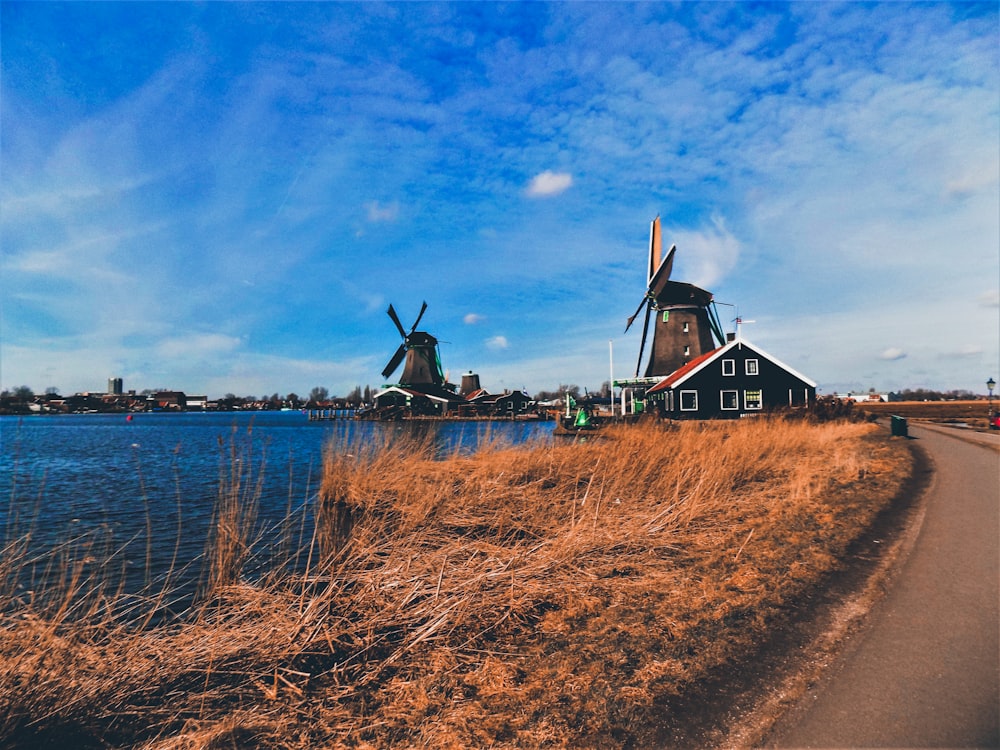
737 706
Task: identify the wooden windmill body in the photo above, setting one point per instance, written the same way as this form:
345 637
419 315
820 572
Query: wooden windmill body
685 325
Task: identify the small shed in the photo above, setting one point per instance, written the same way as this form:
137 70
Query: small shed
735 380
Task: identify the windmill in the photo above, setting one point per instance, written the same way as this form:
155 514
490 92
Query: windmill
419 348
686 326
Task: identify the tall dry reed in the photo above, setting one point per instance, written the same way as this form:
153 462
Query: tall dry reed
540 596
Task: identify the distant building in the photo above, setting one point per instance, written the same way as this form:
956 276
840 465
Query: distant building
115 386
196 403
470 384
172 400
508 403
861 397
395 400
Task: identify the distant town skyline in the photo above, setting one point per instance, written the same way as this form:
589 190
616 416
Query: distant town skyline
229 204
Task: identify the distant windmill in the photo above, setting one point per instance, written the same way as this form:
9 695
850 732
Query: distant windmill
419 348
685 319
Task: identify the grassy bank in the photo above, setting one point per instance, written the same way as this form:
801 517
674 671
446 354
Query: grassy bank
972 413
520 597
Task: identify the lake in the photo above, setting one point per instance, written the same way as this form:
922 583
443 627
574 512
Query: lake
116 483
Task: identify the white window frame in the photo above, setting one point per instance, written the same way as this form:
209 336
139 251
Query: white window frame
731 367
760 399
689 408
736 400
751 367
687 351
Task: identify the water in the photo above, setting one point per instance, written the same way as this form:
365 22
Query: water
144 489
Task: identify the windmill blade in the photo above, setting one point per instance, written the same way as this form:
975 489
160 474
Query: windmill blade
655 247
645 301
642 344
715 324
394 362
417 321
662 275
395 319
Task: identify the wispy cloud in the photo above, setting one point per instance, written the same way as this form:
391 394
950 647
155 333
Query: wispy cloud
990 298
376 212
705 255
197 345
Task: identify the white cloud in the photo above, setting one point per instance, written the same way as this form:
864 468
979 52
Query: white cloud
472 318
197 345
969 350
378 213
705 255
990 298
497 343
549 183
892 353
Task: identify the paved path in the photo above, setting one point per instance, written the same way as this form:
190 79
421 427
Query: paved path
925 669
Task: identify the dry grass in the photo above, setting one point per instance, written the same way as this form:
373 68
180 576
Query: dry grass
520 597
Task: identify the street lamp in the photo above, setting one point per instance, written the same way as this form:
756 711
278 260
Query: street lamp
991 384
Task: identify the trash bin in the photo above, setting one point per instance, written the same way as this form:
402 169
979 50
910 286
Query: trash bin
898 426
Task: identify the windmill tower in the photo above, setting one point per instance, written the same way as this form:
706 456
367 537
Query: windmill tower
422 370
686 325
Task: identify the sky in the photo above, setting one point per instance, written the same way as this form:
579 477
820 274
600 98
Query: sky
226 197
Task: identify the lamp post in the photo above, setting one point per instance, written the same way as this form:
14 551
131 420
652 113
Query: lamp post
991 384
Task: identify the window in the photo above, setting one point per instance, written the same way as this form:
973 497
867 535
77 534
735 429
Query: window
687 351
689 400
730 400
685 328
728 367
751 400
751 365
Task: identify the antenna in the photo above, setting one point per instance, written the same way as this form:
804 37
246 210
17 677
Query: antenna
739 321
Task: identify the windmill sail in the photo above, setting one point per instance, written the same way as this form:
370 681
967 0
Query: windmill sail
655 249
688 326
419 350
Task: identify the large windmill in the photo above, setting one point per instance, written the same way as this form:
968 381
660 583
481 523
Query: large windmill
423 364
686 323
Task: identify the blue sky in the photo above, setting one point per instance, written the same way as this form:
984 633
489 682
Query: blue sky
225 197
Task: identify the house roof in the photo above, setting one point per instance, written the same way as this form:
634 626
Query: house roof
682 374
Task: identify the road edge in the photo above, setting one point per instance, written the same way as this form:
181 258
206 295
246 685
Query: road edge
847 609
740 706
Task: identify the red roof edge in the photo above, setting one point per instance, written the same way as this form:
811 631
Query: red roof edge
680 372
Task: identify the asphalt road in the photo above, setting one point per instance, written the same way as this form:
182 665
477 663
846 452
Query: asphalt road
924 670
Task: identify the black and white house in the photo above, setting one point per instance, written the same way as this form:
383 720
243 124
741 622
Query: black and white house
735 380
